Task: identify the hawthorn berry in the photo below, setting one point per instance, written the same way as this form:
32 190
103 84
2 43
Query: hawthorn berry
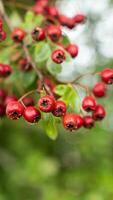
72 121
5 70
79 18
25 65
107 76
14 110
18 35
52 11
70 23
31 114
2 36
9 99
54 32
99 90
72 49
89 104
38 34
28 101
3 95
2 110
1 24
99 113
46 103
58 56
59 109
88 122
38 9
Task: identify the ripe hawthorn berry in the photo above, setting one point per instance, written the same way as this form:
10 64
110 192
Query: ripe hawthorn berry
72 49
79 18
3 95
28 101
2 110
38 34
89 104
70 23
14 110
3 35
72 121
31 114
52 11
5 70
99 113
46 103
9 99
59 109
25 65
54 32
18 35
58 56
88 122
99 90
107 76
38 9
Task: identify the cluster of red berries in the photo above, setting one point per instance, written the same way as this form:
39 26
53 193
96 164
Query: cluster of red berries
2 32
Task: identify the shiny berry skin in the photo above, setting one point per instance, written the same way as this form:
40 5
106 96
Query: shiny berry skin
14 110
3 95
70 23
9 99
99 113
79 18
52 11
25 65
2 36
63 20
58 56
89 104
38 34
28 101
72 122
88 122
59 109
18 35
99 90
46 103
107 76
1 24
72 49
5 70
2 110
54 32
31 114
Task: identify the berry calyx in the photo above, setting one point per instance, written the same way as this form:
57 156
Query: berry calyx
107 76
88 122
89 104
2 36
99 90
99 113
31 114
72 121
38 34
46 103
14 110
18 35
59 109
54 32
58 56
72 49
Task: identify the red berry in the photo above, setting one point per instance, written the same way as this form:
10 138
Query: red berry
2 110
80 18
25 65
72 122
28 101
1 24
38 9
70 23
73 50
59 109
88 122
9 99
89 103
18 35
107 76
42 3
2 36
99 90
58 56
52 11
31 114
5 70
3 95
63 20
99 113
46 103
14 110
54 32
38 34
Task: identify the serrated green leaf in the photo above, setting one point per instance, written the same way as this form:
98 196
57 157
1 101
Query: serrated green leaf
53 68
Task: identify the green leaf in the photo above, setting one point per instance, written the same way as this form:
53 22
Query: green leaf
53 67
15 19
65 40
49 124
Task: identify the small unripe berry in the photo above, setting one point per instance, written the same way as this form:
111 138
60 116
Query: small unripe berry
3 95
28 101
88 122
31 114
54 32
107 76
18 35
25 65
99 90
72 121
38 34
89 103
72 50
59 109
46 103
79 18
9 99
99 113
2 110
52 11
2 36
58 56
14 110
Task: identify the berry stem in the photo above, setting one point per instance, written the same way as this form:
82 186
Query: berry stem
27 94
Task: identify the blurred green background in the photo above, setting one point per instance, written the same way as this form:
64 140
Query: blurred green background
76 166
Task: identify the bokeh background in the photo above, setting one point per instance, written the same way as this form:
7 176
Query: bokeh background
76 166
